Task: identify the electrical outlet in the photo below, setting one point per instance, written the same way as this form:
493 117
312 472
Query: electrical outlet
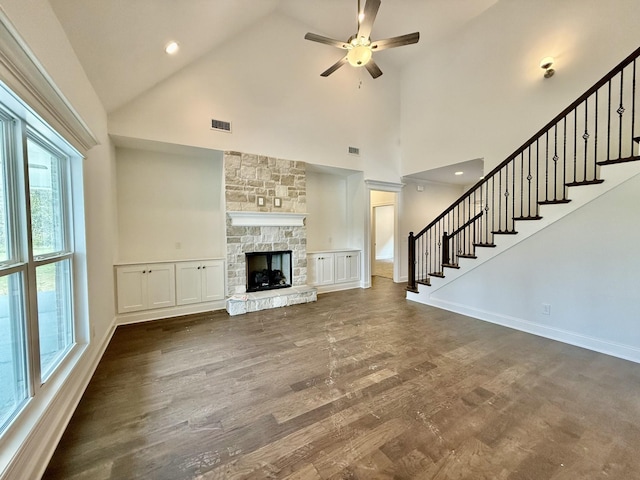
546 309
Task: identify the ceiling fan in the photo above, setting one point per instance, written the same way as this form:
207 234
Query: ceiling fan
359 47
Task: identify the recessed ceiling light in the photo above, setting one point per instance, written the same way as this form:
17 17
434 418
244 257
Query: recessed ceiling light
459 173
171 48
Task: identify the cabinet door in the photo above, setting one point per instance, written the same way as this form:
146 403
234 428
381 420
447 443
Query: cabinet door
212 274
342 267
347 267
353 261
325 274
188 282
320 268
131 284
161 285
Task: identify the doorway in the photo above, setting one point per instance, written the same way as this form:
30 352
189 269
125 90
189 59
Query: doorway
383 241
383 247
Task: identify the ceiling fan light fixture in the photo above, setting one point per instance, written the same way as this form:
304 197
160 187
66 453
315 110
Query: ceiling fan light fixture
359 55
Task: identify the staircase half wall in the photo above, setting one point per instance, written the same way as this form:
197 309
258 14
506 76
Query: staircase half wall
574 277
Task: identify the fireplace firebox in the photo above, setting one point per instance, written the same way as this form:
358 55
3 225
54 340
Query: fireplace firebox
268 270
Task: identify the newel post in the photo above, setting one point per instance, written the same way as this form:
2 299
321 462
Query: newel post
445 249
412 263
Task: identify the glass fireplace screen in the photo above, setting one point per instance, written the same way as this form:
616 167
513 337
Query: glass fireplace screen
268 270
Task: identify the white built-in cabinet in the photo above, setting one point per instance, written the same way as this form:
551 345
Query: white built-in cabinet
347 267
143 287
199 281
334 269
150 286
320 268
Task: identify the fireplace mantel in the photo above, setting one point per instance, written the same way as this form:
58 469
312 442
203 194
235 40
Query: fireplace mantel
267 219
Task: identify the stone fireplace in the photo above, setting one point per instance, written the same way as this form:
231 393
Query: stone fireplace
266 206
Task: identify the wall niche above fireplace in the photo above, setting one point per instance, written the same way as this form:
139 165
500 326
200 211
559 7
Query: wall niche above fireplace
268 270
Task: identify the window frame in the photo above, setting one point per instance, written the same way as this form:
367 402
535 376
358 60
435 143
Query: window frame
19 126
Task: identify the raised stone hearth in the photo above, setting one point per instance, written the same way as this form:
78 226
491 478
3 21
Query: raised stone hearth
256 301
265 227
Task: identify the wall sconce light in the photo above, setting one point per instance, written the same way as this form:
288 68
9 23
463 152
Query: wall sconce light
546 64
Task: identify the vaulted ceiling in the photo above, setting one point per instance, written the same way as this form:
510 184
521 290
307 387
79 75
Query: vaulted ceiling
120 43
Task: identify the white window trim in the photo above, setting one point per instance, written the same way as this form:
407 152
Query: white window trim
25 76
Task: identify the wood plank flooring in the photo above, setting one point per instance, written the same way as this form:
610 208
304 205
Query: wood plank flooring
360 385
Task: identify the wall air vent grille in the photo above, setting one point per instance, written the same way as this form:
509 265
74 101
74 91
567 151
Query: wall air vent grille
221 125
354 151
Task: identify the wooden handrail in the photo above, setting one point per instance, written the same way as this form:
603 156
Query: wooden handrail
617 69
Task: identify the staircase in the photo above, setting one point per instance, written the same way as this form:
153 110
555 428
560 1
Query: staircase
554 173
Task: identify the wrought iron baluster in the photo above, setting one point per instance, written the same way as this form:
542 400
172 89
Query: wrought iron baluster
564 160
585 136
513 196
555 162
522 185
529 178
500 202
609 122
546 166
595 138
538 171
620 112
633 107
575 145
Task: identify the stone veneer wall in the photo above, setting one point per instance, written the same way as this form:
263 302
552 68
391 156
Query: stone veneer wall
246 178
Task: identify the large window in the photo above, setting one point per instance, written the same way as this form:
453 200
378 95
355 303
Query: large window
37 327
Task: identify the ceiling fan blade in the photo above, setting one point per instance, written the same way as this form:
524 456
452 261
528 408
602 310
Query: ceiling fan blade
407 39
334 67
326 40
373 68
370 12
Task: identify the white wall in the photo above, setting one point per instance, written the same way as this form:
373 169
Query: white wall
290 113
327 226
336 211
481 93
357 212
34 436
170 206
585 266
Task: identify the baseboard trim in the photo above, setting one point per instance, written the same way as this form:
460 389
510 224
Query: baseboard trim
625 352
40 438
161 313
337 287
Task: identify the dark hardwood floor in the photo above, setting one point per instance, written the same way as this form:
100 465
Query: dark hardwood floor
360 385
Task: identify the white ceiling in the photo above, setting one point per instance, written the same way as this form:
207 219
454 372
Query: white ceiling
120 43
472 171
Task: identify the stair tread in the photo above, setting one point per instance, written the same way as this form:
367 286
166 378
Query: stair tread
504 232
437 274
595 181
451 265
467 255
633 158
489 245
536 217
424 282
553 202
